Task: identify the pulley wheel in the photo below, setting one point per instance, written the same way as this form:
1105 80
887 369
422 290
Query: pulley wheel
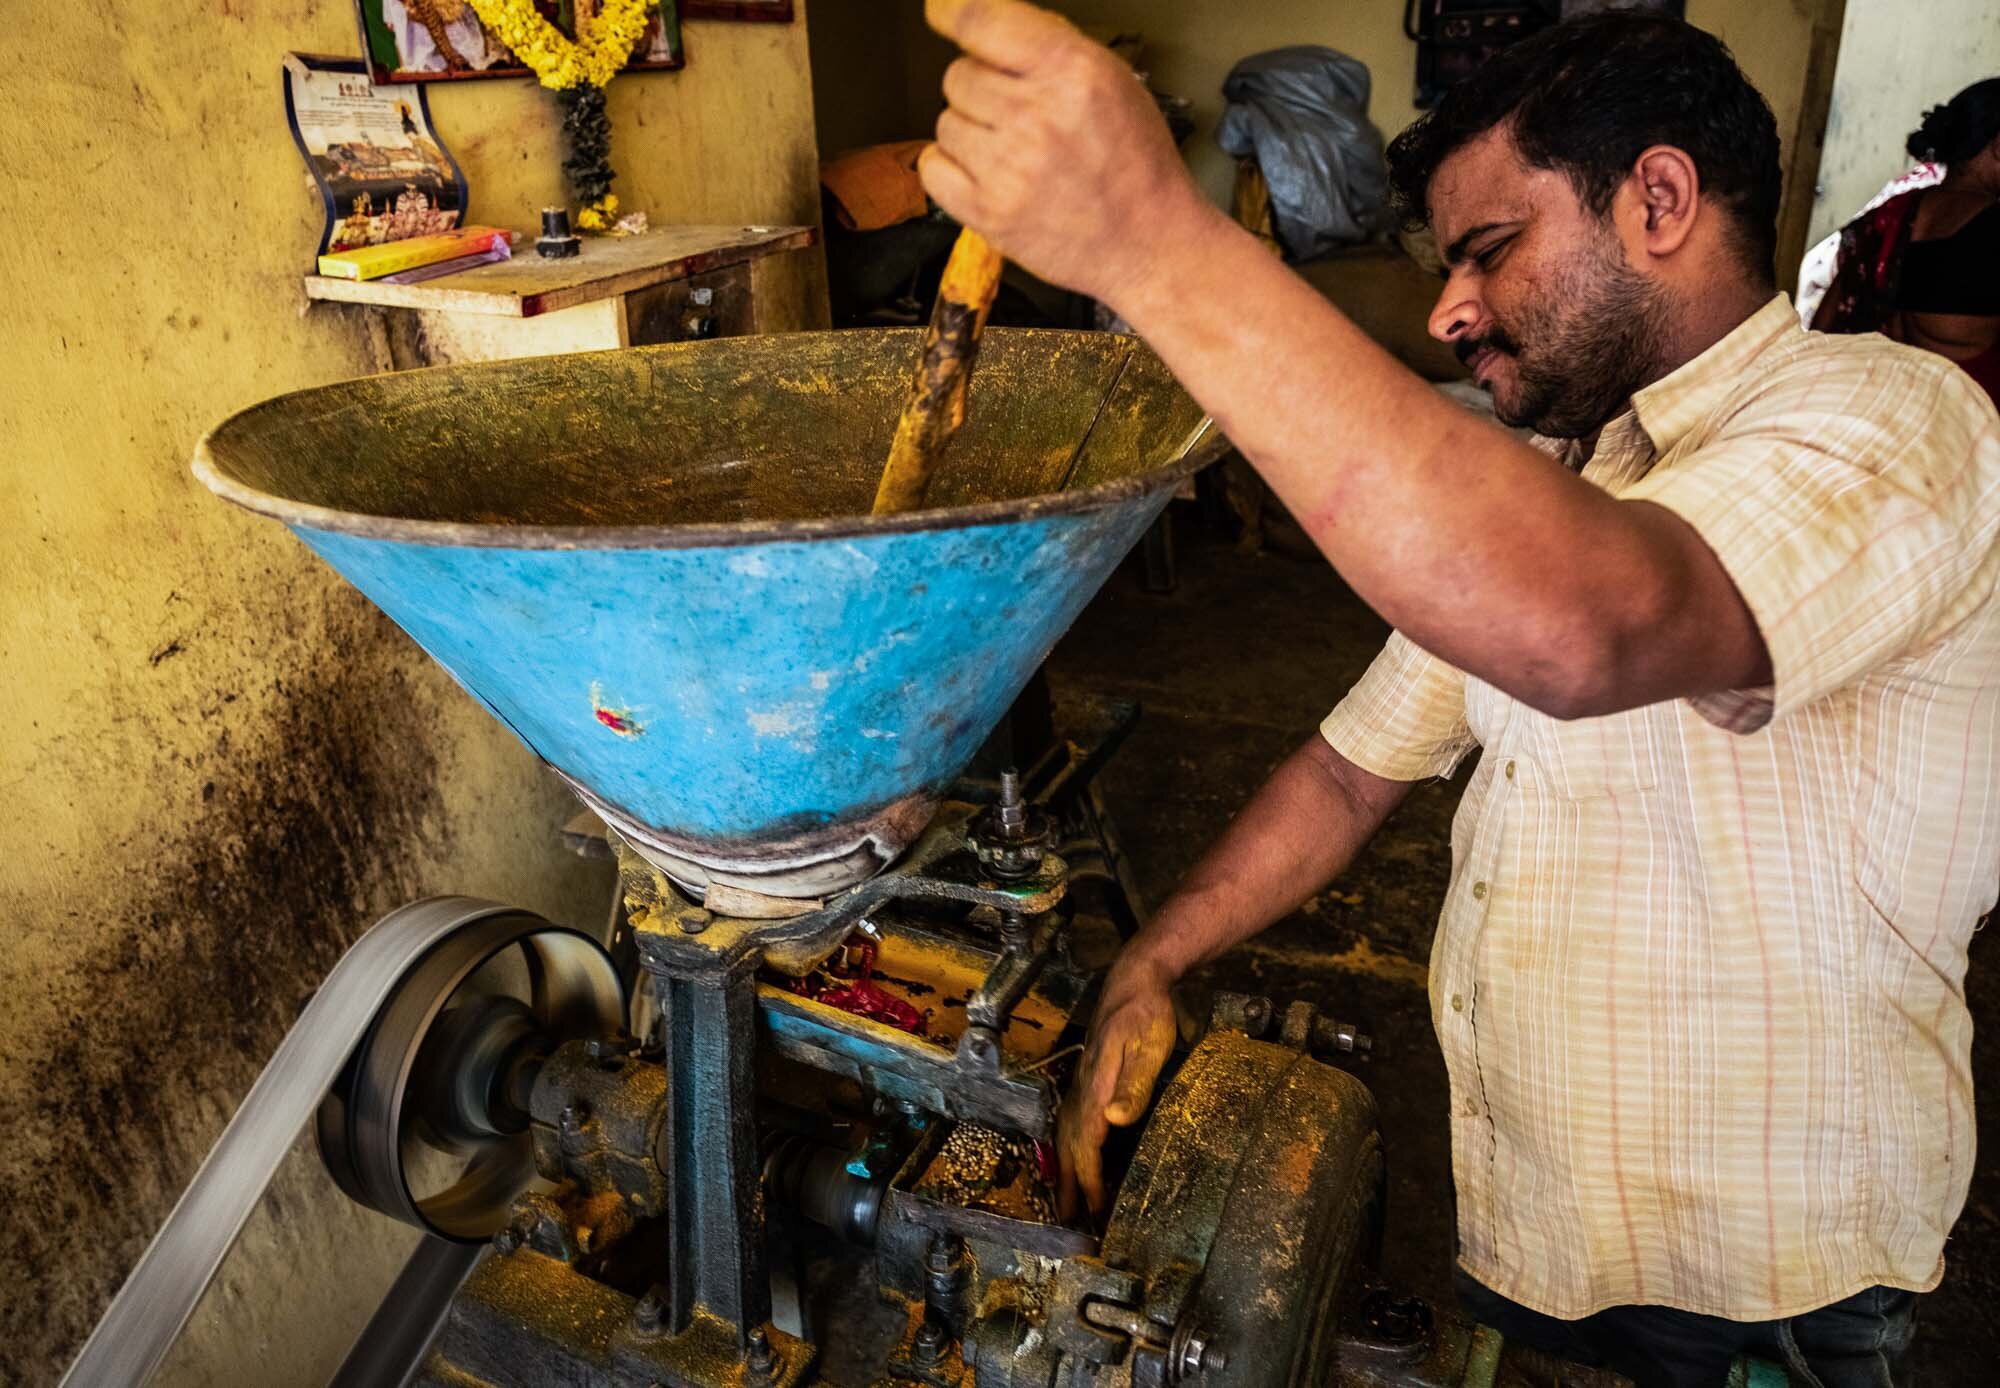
428 1121
1258 1183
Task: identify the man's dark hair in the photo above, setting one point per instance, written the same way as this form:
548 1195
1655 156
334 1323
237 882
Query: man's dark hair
1588 96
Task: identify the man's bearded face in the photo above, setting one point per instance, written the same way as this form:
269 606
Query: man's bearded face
1539 301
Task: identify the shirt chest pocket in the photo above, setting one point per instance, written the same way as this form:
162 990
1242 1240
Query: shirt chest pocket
1590 757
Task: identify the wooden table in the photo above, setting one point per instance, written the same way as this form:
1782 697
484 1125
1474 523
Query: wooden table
666 285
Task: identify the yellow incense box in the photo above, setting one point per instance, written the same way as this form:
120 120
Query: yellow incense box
373 262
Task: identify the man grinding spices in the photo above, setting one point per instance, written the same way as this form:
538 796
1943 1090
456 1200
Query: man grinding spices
1726 633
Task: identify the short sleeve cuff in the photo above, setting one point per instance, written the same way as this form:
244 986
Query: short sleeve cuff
1349 734
1710 501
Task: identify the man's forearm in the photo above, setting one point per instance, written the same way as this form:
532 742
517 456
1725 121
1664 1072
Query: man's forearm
1477 547
1303 826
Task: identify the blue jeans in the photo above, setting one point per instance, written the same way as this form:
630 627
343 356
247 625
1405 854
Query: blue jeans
1862 1342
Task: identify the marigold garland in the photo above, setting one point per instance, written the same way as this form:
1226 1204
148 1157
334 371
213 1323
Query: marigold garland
600 215
602 46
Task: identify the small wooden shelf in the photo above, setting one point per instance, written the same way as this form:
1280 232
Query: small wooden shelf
608 267
666 285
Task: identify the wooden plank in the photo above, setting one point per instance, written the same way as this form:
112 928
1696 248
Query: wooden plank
528 286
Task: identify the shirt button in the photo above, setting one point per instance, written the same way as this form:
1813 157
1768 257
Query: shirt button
1457 1002
1510 771
1471 1108
1479 891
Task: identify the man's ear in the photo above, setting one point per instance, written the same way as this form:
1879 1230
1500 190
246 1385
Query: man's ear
1663 196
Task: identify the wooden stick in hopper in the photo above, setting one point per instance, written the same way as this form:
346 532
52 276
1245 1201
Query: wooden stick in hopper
936 404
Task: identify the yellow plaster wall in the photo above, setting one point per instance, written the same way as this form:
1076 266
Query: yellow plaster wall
217 763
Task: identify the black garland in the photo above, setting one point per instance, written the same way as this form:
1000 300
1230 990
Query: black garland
586 132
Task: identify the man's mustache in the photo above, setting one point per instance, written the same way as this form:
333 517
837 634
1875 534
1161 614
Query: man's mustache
1496 338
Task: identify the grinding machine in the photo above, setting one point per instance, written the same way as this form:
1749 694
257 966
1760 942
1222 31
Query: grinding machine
789 1118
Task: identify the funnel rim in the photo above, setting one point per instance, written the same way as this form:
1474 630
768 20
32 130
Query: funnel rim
706 535
211 473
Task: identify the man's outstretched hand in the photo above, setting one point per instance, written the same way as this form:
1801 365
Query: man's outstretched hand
1130 1040
1055 152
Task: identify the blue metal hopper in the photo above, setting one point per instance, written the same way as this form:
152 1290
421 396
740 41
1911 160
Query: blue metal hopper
656 565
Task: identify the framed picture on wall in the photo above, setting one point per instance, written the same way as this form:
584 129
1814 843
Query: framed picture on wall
773 11
443 40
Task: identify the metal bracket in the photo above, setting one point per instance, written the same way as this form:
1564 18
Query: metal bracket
1022 1235
901 1066
1092 1311
675 933
1107 1316
1013 974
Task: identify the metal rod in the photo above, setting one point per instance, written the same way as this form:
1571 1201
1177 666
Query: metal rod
1076 457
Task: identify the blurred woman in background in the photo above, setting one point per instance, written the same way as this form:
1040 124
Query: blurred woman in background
1924 267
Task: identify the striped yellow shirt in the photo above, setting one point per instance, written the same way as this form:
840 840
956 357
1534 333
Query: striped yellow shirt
1699 979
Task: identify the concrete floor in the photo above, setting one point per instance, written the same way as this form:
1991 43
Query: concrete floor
1235 669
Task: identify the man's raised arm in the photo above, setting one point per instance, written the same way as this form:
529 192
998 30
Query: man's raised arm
1476 546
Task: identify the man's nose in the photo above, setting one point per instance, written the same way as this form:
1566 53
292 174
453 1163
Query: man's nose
1456 312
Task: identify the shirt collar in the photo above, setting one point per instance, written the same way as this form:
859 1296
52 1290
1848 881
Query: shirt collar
1672 406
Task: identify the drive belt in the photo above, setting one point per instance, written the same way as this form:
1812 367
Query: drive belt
163 1288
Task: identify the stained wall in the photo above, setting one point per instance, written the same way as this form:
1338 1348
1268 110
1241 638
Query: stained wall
217 762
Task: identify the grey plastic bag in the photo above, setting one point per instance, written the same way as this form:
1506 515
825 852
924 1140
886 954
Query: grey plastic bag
1302 113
